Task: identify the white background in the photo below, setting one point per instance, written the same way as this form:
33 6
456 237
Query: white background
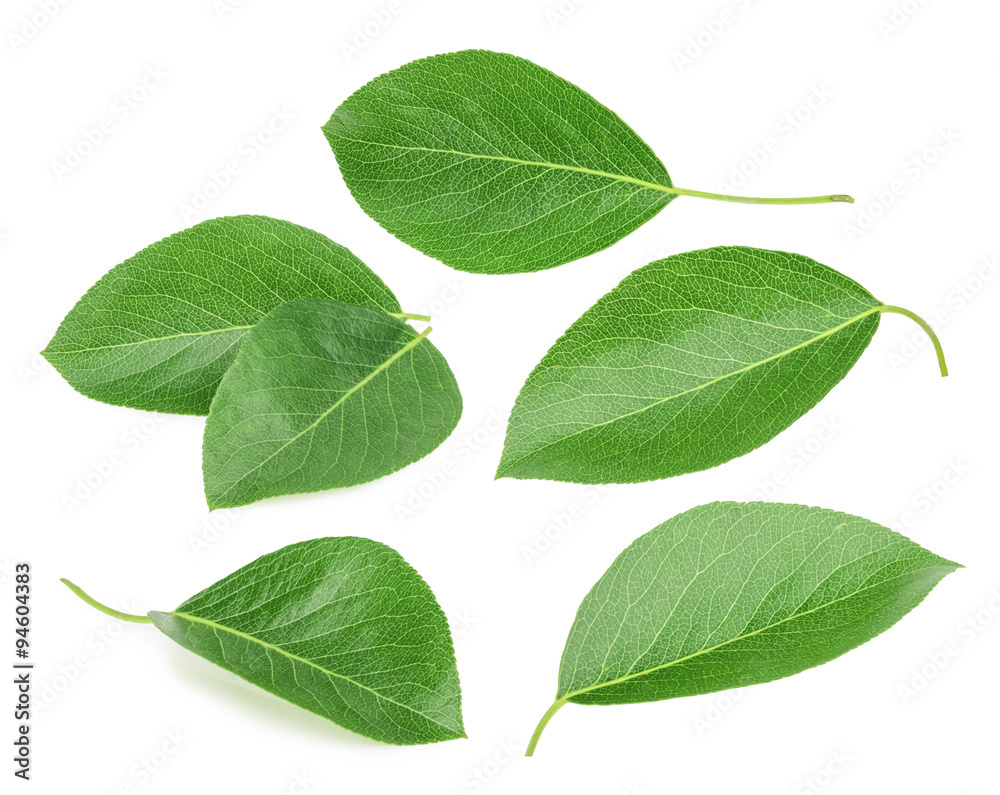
908 99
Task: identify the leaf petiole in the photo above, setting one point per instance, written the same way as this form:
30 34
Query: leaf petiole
409 316
721 197
104 608
556 705
898 310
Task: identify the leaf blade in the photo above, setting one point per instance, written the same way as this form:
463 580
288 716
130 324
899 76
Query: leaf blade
158 331
649 381
785 587
751 528
533 171
370 608
324 395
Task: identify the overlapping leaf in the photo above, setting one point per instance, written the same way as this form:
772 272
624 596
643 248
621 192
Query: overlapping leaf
733 594
323 395
492 164
342 627
691 361
158 331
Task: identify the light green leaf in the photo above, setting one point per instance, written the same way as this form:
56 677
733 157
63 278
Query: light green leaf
324 395
733 594
492 164
159 330
691 361
342 627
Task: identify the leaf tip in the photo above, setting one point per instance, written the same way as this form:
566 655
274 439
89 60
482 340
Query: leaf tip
504 465
216 499
46 353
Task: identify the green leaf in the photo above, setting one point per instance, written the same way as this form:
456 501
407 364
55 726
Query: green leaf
690 362
492 164
342 627
734 594
158 331
324 395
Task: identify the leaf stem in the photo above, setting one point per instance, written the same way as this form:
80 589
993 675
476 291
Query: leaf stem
898 310
410 316
542 724
104 608
721 197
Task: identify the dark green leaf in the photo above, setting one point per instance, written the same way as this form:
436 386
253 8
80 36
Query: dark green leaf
323 395
691 361
734 594
342 627
492 164
159 330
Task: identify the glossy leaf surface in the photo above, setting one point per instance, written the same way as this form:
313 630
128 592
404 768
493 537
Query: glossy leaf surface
158 331
325 395
690 362
492 164
733 594
342 627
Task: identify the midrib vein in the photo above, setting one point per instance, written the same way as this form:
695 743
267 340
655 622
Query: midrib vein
538 163
296 658
183 334
161 339
715 380
710 649
385 365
